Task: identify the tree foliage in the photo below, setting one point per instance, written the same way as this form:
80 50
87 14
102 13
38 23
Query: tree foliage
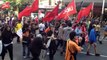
14 4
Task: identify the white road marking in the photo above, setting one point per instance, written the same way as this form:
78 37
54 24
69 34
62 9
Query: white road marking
94 54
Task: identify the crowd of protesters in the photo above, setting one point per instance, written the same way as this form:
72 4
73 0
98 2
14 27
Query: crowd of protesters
67 35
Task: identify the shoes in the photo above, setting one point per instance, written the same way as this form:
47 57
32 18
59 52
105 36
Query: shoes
97 54
100 42
47 53
61 53
88 53
29 57
82 48
24 57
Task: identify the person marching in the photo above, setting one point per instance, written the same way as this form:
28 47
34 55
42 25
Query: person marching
26 40
105 33
41 27
60 36
97 29
36 46
92 41
52 46
72 48
7 38
18 26
66 32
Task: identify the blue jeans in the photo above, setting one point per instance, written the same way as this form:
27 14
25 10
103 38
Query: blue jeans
26 51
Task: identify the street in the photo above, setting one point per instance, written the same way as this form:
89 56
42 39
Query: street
62 19
81 56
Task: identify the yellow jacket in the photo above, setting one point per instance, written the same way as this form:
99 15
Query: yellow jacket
18 27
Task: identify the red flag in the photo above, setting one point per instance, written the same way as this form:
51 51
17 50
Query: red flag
48 12
70 9
25 12
84 12
35 5
5 5
51 15
79 16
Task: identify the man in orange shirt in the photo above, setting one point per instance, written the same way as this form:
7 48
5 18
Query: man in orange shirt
72 48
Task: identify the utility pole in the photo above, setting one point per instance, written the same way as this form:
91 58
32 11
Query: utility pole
103 5
102 13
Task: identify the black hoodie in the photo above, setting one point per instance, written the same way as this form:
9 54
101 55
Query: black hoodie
6 37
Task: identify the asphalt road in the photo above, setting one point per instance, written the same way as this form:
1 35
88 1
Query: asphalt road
102 49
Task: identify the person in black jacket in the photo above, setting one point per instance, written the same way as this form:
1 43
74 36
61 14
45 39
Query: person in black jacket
25 43
26 40
53 46
7 38
35 47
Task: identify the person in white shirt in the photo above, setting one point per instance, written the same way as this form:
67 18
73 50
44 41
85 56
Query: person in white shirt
41 27
78 30
60 36
66 32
